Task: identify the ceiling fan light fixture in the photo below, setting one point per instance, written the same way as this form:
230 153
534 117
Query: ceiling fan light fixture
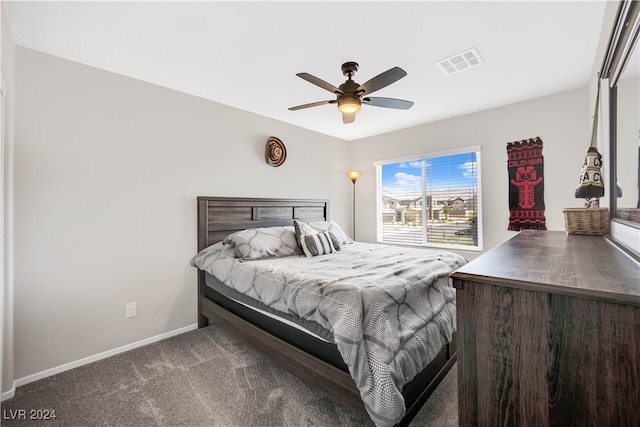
350 95
349 104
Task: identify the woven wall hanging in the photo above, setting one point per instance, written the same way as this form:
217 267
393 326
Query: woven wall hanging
526 185
275 152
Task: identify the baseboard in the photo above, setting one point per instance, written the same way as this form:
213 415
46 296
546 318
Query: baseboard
9 394
84 361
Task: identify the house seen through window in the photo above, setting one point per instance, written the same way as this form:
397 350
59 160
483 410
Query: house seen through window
431 200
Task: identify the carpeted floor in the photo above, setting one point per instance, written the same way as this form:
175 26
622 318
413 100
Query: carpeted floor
205 377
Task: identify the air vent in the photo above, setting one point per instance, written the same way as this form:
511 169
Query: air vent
460 62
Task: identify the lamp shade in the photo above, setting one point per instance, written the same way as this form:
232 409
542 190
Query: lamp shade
354 175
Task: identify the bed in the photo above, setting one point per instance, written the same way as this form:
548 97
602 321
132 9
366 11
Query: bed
311 356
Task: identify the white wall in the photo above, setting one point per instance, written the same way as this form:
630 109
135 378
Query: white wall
625 235
107 169
561 121
7 57
628 117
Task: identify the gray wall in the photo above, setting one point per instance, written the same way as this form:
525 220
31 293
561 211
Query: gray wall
7 57
628 117
107 169
560 120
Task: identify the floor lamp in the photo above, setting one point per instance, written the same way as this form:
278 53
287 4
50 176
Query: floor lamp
353 176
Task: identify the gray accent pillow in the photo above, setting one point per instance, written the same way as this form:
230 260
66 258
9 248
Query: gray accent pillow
336 242
317 244
268 242
301 229
333 228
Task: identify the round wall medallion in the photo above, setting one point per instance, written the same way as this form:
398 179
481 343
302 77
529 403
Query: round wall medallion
276 153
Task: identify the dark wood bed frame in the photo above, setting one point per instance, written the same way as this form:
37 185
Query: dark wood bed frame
220 216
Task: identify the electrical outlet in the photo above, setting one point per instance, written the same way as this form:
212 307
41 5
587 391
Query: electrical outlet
130 310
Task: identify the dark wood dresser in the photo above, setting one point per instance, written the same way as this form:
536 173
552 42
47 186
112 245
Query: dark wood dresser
549 334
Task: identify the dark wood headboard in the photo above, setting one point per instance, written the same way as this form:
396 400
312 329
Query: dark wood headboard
220 216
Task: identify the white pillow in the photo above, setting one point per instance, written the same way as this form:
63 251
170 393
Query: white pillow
333 228
267 242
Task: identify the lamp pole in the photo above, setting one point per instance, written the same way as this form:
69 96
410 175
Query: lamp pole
354 210
353 176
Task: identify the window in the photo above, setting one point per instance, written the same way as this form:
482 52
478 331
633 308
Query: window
431 200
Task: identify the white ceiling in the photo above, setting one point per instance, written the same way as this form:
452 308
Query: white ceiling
247 54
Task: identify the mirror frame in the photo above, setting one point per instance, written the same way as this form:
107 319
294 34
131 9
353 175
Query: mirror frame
624 37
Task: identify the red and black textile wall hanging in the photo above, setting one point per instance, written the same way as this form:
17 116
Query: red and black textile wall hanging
526 185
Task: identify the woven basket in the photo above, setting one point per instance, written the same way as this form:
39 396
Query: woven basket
586 220
629 214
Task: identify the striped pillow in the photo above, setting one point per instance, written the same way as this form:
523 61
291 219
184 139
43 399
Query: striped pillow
317 244
301 229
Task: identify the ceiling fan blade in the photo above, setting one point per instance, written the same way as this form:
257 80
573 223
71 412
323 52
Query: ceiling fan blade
348 118
383 80
319 82
312 104
398 104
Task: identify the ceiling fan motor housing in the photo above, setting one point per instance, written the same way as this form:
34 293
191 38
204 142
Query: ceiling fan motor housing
349 68
349 100
349 87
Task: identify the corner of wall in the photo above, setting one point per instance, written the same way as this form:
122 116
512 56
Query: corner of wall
7 64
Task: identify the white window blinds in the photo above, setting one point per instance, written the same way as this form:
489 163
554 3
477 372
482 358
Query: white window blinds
431 200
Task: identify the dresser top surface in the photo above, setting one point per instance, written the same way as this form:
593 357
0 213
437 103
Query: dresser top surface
557 262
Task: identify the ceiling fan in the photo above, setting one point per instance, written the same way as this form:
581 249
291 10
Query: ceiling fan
351 95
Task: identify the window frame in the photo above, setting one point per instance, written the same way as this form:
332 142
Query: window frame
422 156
